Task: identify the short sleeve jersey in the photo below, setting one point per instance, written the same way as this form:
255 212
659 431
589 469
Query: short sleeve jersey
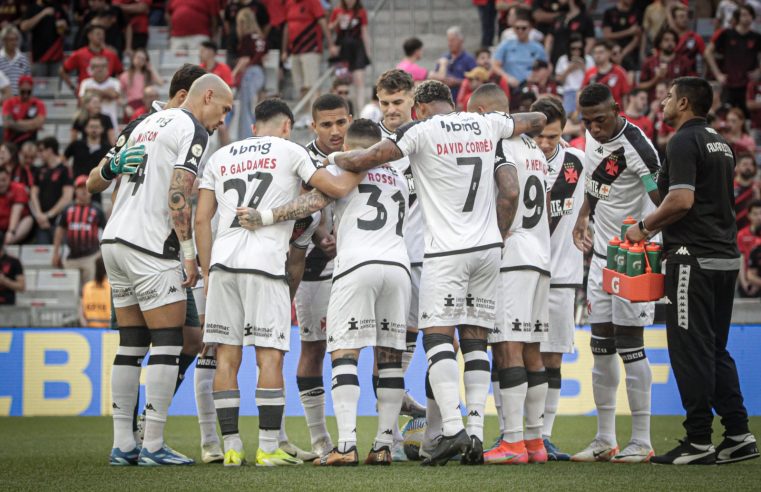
528 245
318 266
619 174
566 189
262 173
452 158
173 139
303 230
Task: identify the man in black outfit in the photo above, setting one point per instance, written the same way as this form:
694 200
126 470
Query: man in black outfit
699 234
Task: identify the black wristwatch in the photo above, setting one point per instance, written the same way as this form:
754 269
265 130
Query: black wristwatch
642 228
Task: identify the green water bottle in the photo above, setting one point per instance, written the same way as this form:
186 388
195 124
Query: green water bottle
613 252
628 222
623 249
635 260
653 251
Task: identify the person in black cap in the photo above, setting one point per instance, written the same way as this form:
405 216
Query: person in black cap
699 234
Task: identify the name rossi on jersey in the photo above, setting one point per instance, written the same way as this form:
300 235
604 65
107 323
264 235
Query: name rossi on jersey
472 147
249 165
597 189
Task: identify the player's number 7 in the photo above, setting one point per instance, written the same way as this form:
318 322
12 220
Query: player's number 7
474 181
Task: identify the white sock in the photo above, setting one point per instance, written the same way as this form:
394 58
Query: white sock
497 399
312 396
536 394
432 414
227 406
443 374
161 379
207 414
639 379
476 378
125 383
605 378
409 351
551 402
270 402
282 436
345 394
513 386
390 394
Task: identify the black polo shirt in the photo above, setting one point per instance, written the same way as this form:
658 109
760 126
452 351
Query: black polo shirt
51 182
698 158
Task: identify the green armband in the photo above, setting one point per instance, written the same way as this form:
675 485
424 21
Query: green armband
649 183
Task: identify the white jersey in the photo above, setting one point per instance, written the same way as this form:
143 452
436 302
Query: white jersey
452 158
528 245
317 265
619 174
262 173
369 221
414 226
566 188
140 218
303 230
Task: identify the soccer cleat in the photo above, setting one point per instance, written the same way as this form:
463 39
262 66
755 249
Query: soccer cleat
536 450
234 458
474 455
411 408
297 452
687 454
447 448
553 453
507 453
212 453
731 450
427 448
379 457
397 452
322 447
121 458
336 458
634 452
496 443
598 450
276 458
165 456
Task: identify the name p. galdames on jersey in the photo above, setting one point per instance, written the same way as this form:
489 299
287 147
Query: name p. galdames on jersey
246 165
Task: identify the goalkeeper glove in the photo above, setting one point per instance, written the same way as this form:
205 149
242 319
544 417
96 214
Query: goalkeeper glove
126 161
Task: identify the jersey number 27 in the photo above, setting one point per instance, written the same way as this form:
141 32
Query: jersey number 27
239 185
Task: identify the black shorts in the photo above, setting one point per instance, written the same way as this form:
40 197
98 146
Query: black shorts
353 54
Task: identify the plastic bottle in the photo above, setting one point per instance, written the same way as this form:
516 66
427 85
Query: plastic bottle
623 249
628 222
654 253
635 260
613 252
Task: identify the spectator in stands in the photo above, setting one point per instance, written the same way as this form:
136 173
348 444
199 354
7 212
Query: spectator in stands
15 221
575 21
539 80
248 73
10 13
349 22
103 86
636 112
150 95
13 63
136 78
514 58
305 27
452 66
95 308
746 187
736 134
208 58
622 25
691 44
191 22
136 13
487 13
413 52
79 60
9 159
653 21
276 10
23 115
341 87
753 103
27 159
229 28
663 132
725 12
52 191
473 80
91 106
5 88
85 153
748 239
546 12
606 72
47 23
732 57
11 278
665 64
512 13
570 70
78 225
113 22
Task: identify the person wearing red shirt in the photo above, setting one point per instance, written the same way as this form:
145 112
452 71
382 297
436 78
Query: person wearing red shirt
472 81
665 64
349 21
635 112
607 73
23 115
690 44
15 221
746 187
276 13
249 72
79 60
208 57
136 12
150 95
305 27
748 239
191 22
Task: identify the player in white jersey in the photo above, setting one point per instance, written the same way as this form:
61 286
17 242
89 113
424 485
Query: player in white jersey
247 296
143 265
452 157
619 163
522 311
565 183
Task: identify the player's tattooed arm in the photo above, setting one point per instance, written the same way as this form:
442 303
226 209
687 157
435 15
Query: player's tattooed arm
528 122
298 208
180 208
362 160
508 192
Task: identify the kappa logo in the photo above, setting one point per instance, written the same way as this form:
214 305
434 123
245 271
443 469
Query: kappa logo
387 431
353 324
474 413
281 336
330 339
683 251
172 289
449 301
599 150
424 316
114 405
149 406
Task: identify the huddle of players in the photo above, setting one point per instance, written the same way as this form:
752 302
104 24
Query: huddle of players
465 281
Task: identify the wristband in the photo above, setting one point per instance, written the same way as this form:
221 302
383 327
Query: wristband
332 158
267 216
188 249
106 173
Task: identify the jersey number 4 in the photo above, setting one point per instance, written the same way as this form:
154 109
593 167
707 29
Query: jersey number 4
381 214
240 187
138 177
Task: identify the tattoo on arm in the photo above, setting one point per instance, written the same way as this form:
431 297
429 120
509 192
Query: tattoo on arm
508 191
528 122
302 206
362 160
180 207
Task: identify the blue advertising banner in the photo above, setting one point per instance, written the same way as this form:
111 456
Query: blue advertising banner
67 371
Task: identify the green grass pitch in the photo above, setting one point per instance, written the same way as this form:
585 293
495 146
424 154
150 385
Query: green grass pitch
70 453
